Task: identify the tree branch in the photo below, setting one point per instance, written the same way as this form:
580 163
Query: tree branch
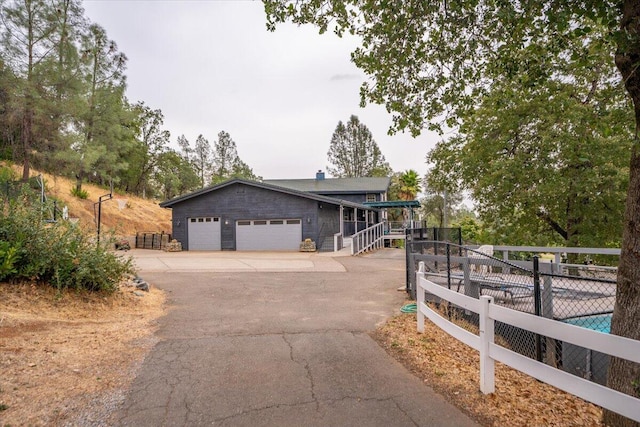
552 223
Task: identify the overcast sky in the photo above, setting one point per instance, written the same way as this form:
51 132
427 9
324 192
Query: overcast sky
212 66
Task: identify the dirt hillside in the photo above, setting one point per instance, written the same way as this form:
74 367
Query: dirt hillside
124 214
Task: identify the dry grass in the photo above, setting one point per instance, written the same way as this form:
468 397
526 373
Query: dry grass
451 368
69 355
66 358
136 214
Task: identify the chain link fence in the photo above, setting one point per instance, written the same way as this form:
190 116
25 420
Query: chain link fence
581 295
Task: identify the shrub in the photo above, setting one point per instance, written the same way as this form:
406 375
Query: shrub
80 193
59 254
7 174
8 257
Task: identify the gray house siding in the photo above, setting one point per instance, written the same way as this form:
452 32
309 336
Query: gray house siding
329 224
244 202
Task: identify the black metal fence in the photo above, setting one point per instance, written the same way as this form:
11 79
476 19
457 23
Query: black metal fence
435 234
419 239
152 240
581 295
34 190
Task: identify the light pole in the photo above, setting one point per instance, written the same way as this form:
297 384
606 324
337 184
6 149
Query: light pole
101 199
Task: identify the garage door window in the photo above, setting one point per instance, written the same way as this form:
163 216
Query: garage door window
293 221
259 222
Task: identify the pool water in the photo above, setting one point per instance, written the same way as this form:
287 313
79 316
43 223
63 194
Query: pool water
600 323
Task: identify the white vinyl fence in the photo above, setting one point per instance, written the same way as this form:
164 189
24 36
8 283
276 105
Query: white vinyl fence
490 352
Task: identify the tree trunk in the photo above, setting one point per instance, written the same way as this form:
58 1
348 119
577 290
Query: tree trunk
26 141
79 177
623 375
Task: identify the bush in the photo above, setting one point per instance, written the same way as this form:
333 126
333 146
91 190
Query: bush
59 254
8 257
80 193
7 174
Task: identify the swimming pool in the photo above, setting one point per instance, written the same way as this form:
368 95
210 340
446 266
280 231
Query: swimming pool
600 322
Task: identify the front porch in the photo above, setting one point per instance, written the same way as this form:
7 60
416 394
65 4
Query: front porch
356 220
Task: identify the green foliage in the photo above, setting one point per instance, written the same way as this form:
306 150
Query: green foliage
58 254
202 159
354 153
79 193
409 185
174 175
7 174
8 257
470 228
226 162
546 163
429 73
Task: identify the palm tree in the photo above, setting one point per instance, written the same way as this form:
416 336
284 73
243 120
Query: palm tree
409 182
409 185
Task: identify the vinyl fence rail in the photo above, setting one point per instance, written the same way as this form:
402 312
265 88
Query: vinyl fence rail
490 352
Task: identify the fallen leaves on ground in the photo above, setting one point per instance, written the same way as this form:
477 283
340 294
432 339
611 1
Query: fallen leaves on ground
65 355
452 369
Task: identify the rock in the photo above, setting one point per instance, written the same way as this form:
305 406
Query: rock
122 245
308 246
143 286
173 246
138 294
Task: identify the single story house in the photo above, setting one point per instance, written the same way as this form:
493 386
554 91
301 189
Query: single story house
248 215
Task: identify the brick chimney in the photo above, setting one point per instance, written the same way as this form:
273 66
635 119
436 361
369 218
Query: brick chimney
319 175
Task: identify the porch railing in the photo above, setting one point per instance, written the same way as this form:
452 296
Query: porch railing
368 239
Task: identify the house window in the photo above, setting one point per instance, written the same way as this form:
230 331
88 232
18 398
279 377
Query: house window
371 198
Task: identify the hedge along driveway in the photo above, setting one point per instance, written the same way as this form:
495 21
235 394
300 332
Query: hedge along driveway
281 348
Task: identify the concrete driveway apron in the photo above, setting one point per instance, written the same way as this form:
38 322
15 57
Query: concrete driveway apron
277 340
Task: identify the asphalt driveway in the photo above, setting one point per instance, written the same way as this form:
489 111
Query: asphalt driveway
272 345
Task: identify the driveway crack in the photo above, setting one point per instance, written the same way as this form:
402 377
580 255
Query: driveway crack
307 368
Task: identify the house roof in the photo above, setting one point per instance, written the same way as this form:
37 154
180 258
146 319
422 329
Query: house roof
394 204
335 185
266 186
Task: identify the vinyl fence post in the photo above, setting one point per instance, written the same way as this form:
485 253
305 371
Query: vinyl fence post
547 311
448 266
537 301
487 367
420 297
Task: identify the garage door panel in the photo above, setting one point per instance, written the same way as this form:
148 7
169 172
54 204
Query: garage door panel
204 234
265 235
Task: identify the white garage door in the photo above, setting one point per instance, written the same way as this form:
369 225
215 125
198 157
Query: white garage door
204 234
268 235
